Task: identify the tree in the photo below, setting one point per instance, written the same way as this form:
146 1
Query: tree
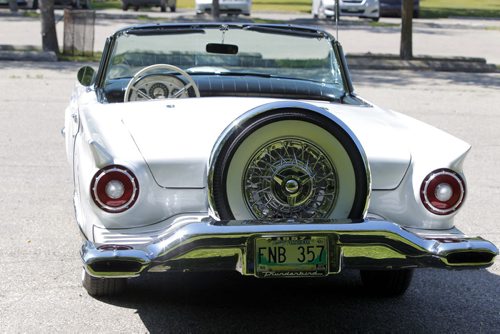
49 36
405 52
215 9
13 6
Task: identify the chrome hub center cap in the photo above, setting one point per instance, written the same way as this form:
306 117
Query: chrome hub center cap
290 178
292 186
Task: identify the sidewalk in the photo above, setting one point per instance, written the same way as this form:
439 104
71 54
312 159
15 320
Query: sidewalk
368 42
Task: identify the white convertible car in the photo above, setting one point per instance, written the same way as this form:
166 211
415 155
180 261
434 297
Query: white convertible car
244 147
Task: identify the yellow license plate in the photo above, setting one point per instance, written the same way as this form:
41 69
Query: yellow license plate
291 256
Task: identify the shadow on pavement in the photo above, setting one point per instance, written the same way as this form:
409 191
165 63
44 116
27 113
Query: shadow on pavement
386 78
437 301
60 66
399 78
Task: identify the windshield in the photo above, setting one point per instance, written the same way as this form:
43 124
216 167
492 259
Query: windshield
271 52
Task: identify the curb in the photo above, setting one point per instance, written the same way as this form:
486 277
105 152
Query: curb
369 61
39 56
26 53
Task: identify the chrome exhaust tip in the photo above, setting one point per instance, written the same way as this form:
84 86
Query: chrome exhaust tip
470 258
116 266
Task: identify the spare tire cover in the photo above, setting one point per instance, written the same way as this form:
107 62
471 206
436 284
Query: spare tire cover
289 163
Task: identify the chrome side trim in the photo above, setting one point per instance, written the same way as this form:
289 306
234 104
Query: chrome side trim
229 245
221 141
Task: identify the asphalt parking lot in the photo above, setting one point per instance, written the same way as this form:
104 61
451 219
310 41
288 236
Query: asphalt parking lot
40 267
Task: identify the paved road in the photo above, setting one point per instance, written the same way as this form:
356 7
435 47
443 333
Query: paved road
440 37
40 268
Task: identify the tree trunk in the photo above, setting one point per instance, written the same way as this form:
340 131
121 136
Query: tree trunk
13 6
405 51
215 9
49 36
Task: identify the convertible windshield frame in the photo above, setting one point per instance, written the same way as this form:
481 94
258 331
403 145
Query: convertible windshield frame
196 29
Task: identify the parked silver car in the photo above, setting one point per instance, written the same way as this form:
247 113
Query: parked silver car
163 4
361 8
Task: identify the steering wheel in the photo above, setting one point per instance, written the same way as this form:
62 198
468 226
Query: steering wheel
155 86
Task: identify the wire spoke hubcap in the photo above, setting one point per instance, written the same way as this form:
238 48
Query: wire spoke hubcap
290 178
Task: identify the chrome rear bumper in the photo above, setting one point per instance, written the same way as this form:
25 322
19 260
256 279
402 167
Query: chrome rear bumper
229 245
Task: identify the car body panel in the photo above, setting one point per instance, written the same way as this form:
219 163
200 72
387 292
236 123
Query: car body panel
190 170
184 165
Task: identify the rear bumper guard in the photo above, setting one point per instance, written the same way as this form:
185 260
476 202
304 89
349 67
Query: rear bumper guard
229 245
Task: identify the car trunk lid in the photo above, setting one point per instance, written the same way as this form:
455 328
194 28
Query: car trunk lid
177 137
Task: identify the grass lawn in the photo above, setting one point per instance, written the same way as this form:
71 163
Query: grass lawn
428 8
261 5
283 5
447 8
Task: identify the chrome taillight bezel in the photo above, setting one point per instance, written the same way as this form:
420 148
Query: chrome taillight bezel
428 189
108 174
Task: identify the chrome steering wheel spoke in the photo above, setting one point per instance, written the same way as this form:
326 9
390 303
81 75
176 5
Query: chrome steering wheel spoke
141 93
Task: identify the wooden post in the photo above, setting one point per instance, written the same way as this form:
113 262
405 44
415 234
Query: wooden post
406 50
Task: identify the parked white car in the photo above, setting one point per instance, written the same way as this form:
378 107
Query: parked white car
361 8
230 7
244 147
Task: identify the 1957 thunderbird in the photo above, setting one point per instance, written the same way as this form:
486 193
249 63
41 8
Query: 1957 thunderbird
244 147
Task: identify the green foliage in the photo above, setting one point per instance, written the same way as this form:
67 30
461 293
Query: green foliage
95 57
31 13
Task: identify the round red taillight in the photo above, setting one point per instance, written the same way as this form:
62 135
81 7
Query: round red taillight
114 189
443 191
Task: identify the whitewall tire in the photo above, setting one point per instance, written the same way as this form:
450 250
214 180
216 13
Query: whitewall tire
290 164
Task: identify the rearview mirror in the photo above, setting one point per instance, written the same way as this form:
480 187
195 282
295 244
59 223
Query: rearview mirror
86 76
226 49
